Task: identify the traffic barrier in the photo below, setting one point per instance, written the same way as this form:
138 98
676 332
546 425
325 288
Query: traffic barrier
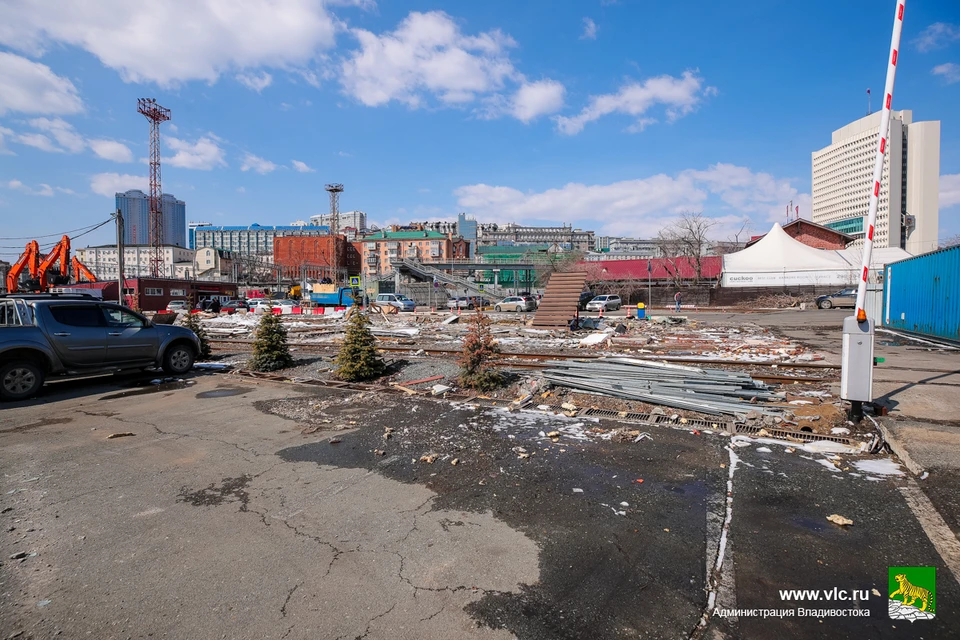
298 310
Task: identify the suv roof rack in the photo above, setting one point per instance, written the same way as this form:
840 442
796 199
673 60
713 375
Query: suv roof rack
46 296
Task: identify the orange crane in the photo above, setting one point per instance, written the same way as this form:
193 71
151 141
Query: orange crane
39 269
29 259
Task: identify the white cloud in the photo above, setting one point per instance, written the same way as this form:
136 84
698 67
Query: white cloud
42 190
255 81
937 36
534 99
640 207
680 96
175 40
204 154
427 55
241 190
949 190
109 184
111 150
31 87
302 167
256 163
5 133
38 141
62 131
589 30
950 72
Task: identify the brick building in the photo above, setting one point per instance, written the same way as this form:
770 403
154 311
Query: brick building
813 235
314 257
380 250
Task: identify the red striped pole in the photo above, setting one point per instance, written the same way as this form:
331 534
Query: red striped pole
861 313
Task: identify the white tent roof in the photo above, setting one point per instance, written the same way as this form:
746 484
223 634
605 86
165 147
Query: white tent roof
879 257
777 251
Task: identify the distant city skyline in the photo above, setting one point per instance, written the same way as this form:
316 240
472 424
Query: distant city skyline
426 112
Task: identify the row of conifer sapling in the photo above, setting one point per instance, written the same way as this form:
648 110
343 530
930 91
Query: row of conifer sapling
359 359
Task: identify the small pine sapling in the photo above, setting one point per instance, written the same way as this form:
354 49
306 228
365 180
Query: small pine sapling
270 350
476 372
192 322
358 358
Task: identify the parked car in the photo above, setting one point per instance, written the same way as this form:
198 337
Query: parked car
178 305
844 298
605 303
48 335
461 303
585 297
398 300
231 306
261 304
281 304
516 303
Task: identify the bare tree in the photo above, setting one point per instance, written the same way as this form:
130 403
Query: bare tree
685 240
952 241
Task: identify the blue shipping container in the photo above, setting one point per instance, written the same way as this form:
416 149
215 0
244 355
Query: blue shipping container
921 295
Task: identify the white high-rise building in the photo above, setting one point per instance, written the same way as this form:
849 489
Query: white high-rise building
908 211
348 220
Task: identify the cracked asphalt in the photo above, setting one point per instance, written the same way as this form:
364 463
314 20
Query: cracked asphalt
224 517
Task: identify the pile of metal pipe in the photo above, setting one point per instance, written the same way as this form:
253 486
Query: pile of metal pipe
710 391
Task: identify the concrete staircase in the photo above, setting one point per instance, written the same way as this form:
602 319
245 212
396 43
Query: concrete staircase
559 303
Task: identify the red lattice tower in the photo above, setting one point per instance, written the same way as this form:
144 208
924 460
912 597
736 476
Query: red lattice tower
155 114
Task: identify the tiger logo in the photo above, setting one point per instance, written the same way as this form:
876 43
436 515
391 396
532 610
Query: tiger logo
911 593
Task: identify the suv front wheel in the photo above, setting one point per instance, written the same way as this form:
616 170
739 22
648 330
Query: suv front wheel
20 380
178 359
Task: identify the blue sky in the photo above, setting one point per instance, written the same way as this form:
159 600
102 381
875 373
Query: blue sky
610 115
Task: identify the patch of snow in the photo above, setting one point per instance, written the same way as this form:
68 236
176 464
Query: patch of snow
827 464
839 431
764 450
882 467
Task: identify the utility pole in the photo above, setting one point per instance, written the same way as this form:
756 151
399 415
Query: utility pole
121 281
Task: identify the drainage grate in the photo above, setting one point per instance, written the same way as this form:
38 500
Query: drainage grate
646 418
742 429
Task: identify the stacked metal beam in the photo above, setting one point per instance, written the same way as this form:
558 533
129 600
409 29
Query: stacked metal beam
710 391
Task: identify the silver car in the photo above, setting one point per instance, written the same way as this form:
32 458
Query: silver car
605 303
516 303
398 300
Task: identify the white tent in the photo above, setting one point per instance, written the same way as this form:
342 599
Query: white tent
779 260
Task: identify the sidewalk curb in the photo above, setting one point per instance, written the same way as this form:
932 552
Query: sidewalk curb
900 450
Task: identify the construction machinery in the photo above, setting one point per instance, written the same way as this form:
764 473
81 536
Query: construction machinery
43 275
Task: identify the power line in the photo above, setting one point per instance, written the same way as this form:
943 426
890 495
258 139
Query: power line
89 229
50 235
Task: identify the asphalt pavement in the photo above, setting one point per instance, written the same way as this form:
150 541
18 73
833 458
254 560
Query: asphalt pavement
245 509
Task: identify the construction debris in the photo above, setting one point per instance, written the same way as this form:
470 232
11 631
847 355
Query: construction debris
710 391
123 434
840 520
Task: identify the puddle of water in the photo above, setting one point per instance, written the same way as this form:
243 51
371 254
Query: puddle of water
222 392
811 524
140 391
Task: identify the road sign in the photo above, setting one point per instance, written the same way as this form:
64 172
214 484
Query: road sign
435 284
480 287
354 281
